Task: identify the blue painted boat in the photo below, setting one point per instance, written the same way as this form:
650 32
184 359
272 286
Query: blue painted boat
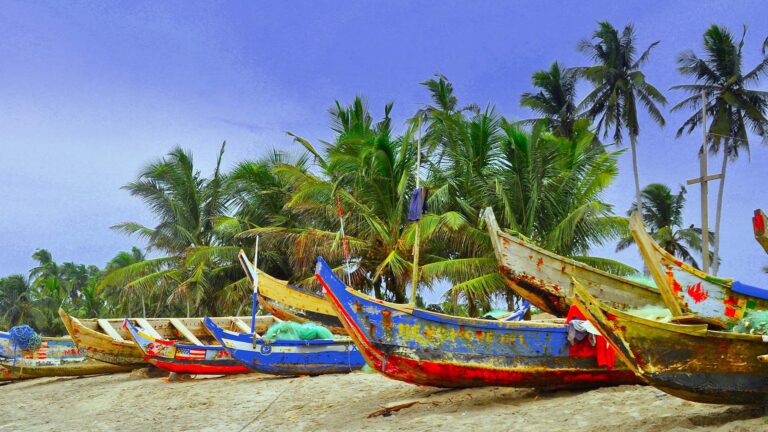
289 357
429 348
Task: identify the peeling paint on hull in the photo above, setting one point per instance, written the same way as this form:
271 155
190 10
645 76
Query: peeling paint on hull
687 361
425 348
544 278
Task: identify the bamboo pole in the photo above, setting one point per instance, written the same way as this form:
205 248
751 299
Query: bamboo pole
415 273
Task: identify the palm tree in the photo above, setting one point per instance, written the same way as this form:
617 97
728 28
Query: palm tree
556 99
620 86
121 260
17 302
370 171
733 108
185 205
663 215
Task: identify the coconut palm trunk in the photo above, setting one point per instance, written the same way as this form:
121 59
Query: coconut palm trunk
718 212
638 201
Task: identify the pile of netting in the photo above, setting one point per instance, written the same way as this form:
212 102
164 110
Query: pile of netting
287 330
754 323
24 338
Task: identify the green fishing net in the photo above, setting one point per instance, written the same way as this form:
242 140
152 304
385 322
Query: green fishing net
641 279
754 323
655 313
288 330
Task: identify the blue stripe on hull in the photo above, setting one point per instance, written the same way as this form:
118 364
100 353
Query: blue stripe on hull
305 357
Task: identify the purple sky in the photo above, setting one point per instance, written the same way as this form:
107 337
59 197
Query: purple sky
91 92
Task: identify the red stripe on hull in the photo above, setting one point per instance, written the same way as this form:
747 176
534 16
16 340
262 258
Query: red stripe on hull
199 369
451 375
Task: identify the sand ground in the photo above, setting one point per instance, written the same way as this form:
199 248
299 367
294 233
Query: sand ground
133 402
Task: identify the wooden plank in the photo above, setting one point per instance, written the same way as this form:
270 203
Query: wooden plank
705 179
109 330
241 325
148 328
652 263
185 331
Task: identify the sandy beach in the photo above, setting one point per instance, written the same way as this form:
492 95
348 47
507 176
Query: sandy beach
133 402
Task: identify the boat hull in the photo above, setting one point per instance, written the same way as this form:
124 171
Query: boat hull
687 361
280 357
184 359
102 347
55 357
23 370
545 278
426 348
122 350
697 292
290 303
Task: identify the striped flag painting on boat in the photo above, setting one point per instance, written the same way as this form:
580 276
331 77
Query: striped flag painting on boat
190 353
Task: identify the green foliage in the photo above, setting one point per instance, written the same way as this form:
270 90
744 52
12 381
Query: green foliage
662 213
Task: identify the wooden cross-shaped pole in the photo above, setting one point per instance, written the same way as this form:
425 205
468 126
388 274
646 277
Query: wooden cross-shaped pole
704 179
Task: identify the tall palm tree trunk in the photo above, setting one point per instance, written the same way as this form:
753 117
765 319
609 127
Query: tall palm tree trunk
633 141
715 258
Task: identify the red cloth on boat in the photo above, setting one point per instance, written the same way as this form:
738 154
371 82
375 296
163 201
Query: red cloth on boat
605 354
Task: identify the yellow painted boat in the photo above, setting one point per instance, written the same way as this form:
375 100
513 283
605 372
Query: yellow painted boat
687 361
291 303
106 340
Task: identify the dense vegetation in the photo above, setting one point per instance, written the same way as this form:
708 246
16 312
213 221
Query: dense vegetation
543 177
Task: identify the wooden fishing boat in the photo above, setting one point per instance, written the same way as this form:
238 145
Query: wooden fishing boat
200 358
759 224
108 341
291 303
545 278
428 348
687 361
721 301
289 357
54 357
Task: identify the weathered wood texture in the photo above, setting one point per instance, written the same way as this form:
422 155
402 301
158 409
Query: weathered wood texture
687 361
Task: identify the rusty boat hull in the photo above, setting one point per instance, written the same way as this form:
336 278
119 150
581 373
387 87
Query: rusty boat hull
545 278
427 348
687 361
